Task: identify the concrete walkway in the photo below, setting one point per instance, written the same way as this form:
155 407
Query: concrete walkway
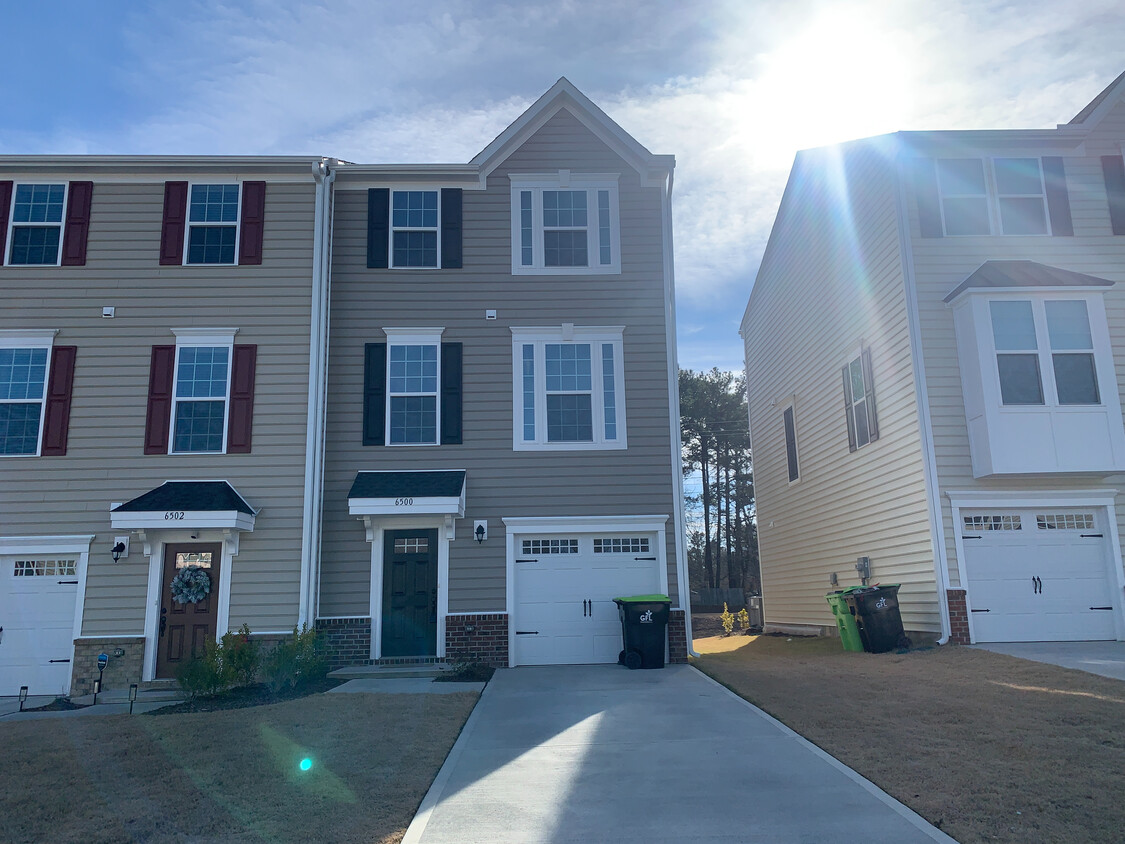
1104 658
599 753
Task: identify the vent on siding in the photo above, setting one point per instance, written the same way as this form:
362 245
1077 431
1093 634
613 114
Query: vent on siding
45 568
1064 521
995 522
622 545
550 546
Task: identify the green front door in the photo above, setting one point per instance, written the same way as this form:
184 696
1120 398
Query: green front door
410 593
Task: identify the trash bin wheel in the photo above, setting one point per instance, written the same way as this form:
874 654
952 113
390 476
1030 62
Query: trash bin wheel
903 643
621 658
632 660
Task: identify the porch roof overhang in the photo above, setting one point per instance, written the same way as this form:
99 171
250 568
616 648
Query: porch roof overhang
408 493
185 504
993 276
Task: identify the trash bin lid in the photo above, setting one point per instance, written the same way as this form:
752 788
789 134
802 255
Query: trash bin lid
644 599
845 591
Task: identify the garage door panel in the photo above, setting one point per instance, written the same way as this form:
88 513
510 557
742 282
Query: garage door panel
37 617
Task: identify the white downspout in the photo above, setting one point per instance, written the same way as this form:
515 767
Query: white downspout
925 431
311 520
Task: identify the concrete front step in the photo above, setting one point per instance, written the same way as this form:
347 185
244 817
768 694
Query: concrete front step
389 672
122 696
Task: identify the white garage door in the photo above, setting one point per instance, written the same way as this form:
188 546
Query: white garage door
564 590
37 596
1038 575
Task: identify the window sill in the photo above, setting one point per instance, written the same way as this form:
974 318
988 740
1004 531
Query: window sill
615 446
607 270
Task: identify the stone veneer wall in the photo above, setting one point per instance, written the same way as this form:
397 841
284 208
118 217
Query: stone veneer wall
477 638
958 617
677 636
348 640
119 673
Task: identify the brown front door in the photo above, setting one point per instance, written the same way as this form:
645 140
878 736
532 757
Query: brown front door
184 629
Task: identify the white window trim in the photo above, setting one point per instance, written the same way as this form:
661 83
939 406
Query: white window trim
12 225
392 228
412 337
790 405
31 338
188 223
208 338
992 196
566 180
594 336
857 355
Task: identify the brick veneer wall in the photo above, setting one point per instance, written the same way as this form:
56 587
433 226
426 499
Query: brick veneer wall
958 617
677 636
348 640
477 638
119 673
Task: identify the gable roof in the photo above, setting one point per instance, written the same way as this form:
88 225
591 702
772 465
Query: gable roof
1110 94
564 95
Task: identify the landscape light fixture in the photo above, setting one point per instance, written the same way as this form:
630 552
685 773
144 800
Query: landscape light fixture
23 696
117 551
132 696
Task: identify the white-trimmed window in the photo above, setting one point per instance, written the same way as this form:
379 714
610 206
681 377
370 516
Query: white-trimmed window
980 197
565 223
569 388
413 386
212 224
35 227
789 424
25 357
859 401
415 233
201 391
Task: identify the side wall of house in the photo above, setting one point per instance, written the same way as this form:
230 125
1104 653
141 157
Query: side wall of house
831 283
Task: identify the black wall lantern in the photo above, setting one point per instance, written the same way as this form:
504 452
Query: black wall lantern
480 530
117 551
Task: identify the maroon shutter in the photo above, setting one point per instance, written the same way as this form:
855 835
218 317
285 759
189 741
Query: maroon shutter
5 208
56 421
77 224
172 226
242 367
253 214
159 416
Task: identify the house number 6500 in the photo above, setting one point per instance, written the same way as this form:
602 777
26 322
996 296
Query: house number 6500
404 502
173 515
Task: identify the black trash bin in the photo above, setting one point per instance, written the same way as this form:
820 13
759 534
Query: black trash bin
877 617
644 623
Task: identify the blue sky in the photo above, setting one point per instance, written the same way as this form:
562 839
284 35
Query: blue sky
733 89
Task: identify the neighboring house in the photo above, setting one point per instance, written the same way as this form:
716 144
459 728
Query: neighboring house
935 348
490 455
503 441
154 383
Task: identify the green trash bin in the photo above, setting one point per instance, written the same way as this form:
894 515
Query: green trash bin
845 621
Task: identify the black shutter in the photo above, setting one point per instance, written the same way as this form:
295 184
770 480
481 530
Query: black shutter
869 387
450 393
451 229
926 197
374 393
848 409
378 227
1058 199
1113 169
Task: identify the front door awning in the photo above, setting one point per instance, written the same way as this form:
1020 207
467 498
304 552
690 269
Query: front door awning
185 504
408 493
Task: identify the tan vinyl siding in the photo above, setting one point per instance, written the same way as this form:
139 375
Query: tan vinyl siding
943 263
105 463
829 282
501 483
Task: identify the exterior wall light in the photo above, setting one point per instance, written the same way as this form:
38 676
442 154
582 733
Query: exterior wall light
118 550
480 531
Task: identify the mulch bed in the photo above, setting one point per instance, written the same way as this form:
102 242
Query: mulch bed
59 704
242 697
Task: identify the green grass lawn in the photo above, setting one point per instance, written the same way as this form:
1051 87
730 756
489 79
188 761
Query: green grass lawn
230 776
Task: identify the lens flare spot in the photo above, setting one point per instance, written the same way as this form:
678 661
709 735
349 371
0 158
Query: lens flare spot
306 764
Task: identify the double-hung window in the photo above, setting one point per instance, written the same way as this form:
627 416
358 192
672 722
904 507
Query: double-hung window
213 212
565 223
202 392
414 228
569 388
23 391
859 401
413 379
998 195
36 224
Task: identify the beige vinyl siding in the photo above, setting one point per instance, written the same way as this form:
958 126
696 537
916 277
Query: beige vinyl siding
827 283
105 463
943 263
501 483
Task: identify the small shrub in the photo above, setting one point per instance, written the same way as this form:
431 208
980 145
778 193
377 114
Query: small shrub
240 656
743 620
727 619
295 661
233 661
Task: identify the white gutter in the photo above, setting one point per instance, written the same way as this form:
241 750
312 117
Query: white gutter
921 394
674 409
318 382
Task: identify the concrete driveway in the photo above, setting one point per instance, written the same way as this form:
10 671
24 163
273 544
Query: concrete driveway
1104 658
600 753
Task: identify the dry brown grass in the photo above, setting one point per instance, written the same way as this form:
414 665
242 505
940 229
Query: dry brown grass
229 776
988 747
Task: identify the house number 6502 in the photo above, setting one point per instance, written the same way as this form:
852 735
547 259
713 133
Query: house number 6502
404 502
173 515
